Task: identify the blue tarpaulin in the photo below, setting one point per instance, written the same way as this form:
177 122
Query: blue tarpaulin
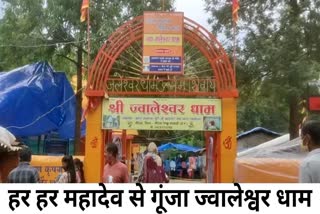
34 100
181 147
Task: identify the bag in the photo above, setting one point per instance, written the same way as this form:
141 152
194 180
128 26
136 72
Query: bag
154 173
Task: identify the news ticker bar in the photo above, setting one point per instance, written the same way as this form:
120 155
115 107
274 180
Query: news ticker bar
157 198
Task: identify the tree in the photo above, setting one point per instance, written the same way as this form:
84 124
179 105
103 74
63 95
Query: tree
279 54
51 30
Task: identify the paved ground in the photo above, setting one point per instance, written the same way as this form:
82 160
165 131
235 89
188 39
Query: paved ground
181 180
187 181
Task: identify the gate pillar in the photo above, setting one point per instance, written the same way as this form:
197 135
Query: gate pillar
94 153
227 139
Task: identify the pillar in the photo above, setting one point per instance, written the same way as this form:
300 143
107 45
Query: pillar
227 139
94 148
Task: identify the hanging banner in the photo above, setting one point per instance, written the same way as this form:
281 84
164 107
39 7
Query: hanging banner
162 114
162 43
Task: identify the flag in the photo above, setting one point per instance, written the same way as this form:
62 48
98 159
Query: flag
84 10
235 8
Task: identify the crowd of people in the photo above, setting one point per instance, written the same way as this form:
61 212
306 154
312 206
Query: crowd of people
192 167
152 169
115 171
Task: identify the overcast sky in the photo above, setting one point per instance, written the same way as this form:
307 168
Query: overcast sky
193 9
1 9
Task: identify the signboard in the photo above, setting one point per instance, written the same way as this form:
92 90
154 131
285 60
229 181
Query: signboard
162 43
49 167
162 114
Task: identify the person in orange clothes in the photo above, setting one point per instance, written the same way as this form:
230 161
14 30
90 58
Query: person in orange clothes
114 171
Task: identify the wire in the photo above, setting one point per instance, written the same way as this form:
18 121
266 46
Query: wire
42 45
36 120
49 45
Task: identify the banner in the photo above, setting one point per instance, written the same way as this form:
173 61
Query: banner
162 43
159 198
49 167
162 114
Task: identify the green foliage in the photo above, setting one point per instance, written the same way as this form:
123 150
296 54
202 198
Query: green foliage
277 56
51 30
195 139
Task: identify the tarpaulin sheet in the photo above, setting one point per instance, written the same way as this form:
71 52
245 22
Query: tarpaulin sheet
181 147
34 100
276 161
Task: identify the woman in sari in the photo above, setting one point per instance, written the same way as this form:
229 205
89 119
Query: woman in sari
152 170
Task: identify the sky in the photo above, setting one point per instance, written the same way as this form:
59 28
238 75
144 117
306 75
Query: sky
193 9
1 9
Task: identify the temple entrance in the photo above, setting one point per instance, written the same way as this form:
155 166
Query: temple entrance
179 78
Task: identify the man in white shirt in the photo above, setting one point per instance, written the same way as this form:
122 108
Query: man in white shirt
310 166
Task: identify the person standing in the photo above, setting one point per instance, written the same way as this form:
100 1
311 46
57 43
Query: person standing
69 174
152 170
24 173
310 166
132 163
114 171
140 162
79 170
